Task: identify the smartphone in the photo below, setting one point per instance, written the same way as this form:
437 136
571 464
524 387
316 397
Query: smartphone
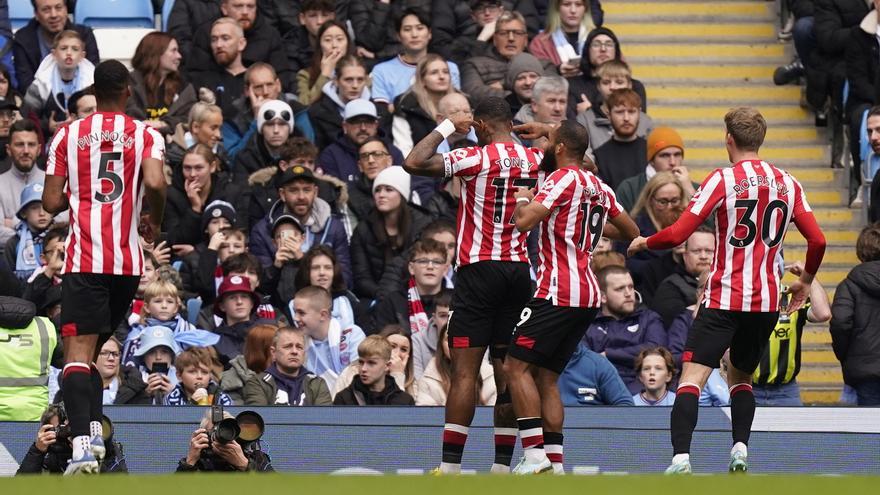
160 368
575 61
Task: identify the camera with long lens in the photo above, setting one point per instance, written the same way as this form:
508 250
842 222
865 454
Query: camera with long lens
246 429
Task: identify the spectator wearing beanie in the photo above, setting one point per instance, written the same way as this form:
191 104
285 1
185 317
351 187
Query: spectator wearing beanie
389 230
522 74
274 127
665 154
218 215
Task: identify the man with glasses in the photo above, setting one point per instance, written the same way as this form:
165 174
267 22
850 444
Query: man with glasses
483 76
463 28
679 290
373 157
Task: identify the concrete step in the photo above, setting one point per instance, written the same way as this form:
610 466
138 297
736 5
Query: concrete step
820 396
752 94
821 375
808 176
663 10
714 133
691 115
729 73
833 255
800 153
700 32
818 357
832 237
829 276
817 337
640 53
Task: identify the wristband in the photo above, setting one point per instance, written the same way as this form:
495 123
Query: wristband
523 200
446 128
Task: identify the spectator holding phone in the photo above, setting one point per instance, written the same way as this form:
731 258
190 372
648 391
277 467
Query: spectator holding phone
155 361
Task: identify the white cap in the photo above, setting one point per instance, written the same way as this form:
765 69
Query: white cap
358 107
395 177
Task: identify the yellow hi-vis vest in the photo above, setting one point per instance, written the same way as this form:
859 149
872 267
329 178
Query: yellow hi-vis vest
24 370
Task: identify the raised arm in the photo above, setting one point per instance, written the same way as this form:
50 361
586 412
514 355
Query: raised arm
424 159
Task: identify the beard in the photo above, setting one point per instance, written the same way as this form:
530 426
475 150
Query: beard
549 163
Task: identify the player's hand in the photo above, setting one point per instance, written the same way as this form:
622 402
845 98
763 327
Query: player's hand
798 293
534 130
193 191
584 104
217 240
524 192
637 245
45 437
462 121
796 268
181 250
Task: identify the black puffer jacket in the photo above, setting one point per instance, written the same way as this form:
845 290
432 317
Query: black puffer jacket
420 124
184 226
253 157
454 31
132 389
374 22
836 21
369 256
674 295
855 332
863 64
802 8
185 16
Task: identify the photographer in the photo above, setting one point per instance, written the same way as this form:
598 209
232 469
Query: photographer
51 452
207 455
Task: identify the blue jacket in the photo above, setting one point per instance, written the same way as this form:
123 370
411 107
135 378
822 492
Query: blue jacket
590 380
622 340
322 227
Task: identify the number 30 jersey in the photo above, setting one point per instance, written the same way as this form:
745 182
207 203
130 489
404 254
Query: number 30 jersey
491 175
101 156
579 204
754 203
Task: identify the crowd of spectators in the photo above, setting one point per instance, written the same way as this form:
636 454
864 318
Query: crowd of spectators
300 264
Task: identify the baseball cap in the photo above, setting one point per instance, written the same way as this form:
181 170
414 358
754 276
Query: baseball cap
275 109
8 105
31 194
216 209
479 3
234 283
296 172
282 219
157 336
359 107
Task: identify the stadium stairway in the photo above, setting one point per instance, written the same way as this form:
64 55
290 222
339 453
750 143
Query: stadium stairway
697 60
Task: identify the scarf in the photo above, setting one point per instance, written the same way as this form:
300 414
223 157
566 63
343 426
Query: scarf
291 391
563 47
418 319
28 251
186 335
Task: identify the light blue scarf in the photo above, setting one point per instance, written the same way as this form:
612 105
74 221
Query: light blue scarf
27 256
560 40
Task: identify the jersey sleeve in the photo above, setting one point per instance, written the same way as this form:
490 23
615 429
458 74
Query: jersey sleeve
801 205
154 145
463 162
557 190
56 161
612 206
708 196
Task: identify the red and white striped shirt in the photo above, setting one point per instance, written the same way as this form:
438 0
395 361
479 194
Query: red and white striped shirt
579 204
754 203
491 175
101 156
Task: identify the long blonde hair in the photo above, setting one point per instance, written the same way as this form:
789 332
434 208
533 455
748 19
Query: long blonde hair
418 89
659 180
554 20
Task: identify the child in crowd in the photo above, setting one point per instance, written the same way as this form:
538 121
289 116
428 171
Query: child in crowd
155 360
223 244
319 268
433 386
237 305
656 370
197 385
218 215
162 309
48 274
424 344
401 362
331 347
373 386
24 248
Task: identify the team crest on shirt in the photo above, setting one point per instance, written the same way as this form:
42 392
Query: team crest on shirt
460 153
549 183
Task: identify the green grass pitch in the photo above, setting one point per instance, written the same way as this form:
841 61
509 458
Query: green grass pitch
285 484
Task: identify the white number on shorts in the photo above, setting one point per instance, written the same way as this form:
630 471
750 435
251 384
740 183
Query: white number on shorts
524 316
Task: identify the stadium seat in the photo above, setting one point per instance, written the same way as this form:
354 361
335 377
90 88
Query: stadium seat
166 11
20 12
115 13
119 44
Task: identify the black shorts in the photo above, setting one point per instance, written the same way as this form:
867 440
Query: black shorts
548 335
488 299
93 303
714 331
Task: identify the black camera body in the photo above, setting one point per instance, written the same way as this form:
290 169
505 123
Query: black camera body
223 432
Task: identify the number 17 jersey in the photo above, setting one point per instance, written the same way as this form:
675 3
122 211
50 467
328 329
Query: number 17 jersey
101 156
754 203
579 204
491 175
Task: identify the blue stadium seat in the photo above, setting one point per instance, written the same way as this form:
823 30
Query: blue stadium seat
166 11
20 12
114 13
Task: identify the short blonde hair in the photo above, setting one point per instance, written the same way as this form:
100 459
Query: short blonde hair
747 127
613 69
375 346
201 110
160 288
67 34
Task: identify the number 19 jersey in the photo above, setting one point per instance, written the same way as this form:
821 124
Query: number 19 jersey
101 156
579 203
754 203
491 175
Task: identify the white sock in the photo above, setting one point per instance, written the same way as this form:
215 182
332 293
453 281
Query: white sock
535 454
739 447
678 458
450 468
96 429
81 445
499 469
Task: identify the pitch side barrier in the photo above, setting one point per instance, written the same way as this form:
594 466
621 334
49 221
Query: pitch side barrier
407 439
